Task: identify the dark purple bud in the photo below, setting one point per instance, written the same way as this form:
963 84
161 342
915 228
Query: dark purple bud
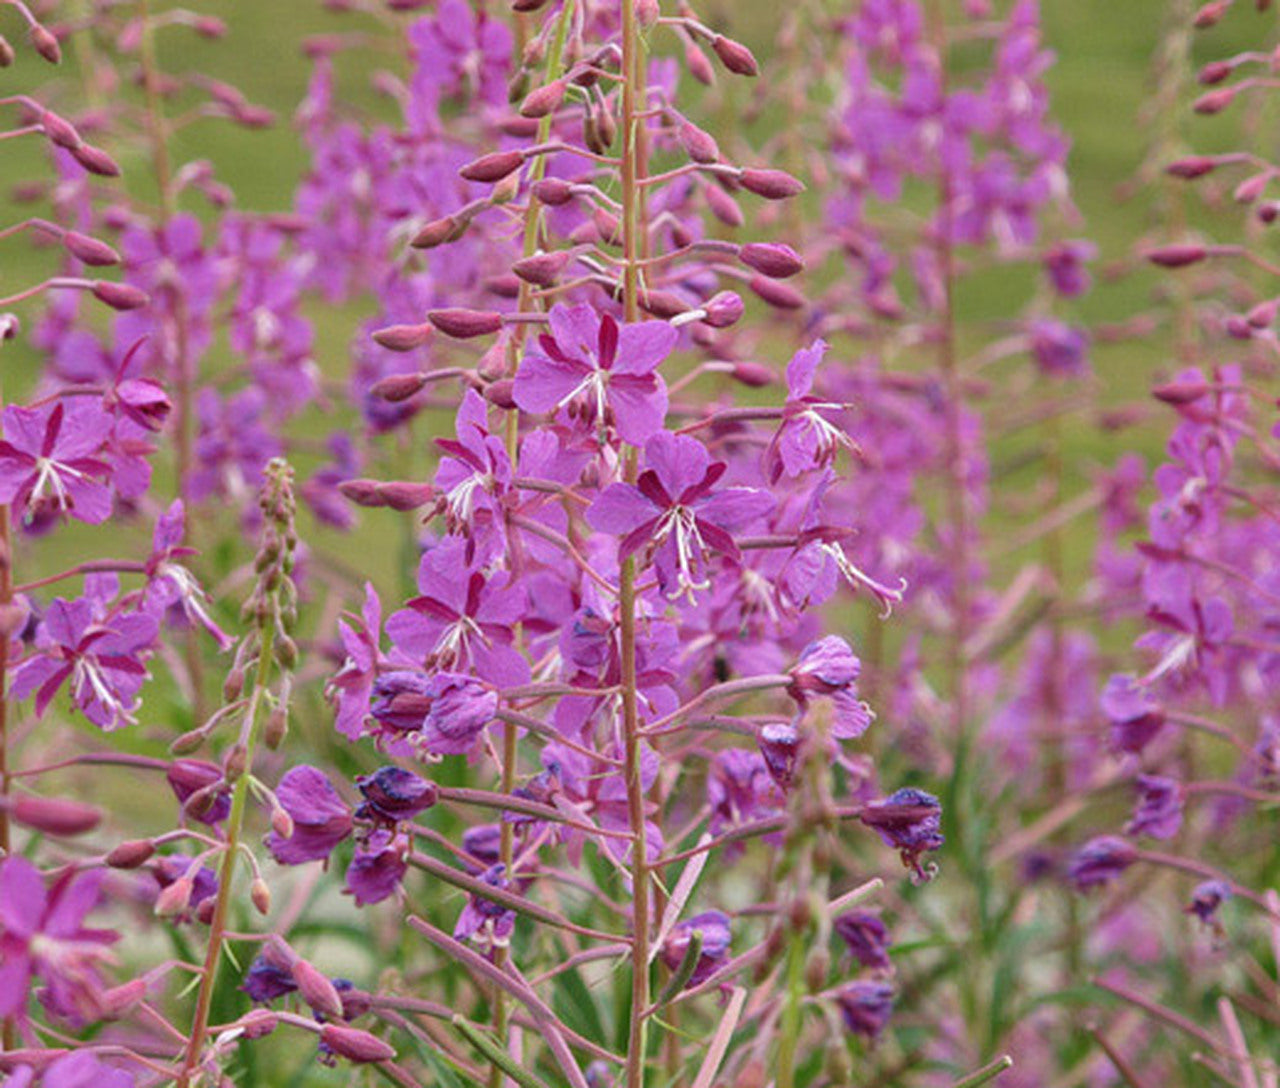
866 936
398 387
1100 861
910 820
713 925
1210 13
1192 167
779 745
771 184
492 167
402 338
393 794
464 324
96 161
404 495
663 304
1206 898
772 259
132 854
866 1007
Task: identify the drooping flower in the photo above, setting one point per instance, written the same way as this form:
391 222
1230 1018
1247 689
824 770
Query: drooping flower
103 660
170 583
1100 861
676 509
484 922
321 819
1206 899
866 936
866 1007
713 926
50 460
188 777
352 685
377 868
1159 809
909 820
43 938
608 371
392 794
830 668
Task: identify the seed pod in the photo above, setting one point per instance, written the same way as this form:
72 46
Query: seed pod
54 815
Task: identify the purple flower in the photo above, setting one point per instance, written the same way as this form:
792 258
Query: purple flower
740 788
866 936
829 667
866 1007
483 921
1065 264
460 708
713 925
473 479
170 583
779 745
321 819
462 619
353 684
267 980
1159 809
102 659
806 439
392 794
1135 716
188 777
49 460
910 820
1059 349
377 868
675 507
1206 898
589 361
42 936
1100 861
83 1069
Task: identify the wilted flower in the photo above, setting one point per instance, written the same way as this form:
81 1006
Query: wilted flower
1100 861
866 1007
713 926
909 820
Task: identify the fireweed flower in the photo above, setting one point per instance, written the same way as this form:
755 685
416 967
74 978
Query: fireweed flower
392 794
1159 809
187 777
103 661
351 687
909 820
866 937
472 479
44 939
1206 899
431 716
866 1007
806 439
50 459
713 925
80 1069
1135 716
830 668
377 867
462 619
321 819
675 509
589 360
484 922
740 789
170 583
1100 861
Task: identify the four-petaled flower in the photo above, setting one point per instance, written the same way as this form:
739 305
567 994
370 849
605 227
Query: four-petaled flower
675 507
590 361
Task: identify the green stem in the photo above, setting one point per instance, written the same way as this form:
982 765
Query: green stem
792 1014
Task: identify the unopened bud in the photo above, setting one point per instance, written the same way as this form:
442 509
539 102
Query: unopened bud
233 685
544 100
398 387
282 823
59 130
90 250
753 375
647 13
119 296
501 394
46 44
1214 101
1192 167
1181 391
258 1023
317 990
493 167
440 231
541 269
54 815
354 1044
723 309
1210 13
360 492
699 67
260 896
553 192
772 259
235 763
96 161
723 206
735 56
404 496
771 184
174 899
120 1001
1214 72
276 728
505 285
816 968
402 338
464 324
7 55
1251 188
1177 256
779 295
698 144
131 854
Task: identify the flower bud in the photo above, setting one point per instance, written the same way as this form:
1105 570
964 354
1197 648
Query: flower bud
131 854
354 1044
402 338
1210 13
544 100
492 167
233 685
13 616
119 1001
258 1023
527 5
260 896
96 161
699 67
46 44
7 55
209 26
1214 101
440 231
90 250
647 13
753 375
501 394
282 823
772 259
542 269
60 131
398 387
777 295
1181 391
663 304
404 496
723 206
464 324
735 56
771 184
1192 167
698 144
1251 188
553 192
54 815
276 728
723 309
361 492
1177 256
174 899
120 296
1214 72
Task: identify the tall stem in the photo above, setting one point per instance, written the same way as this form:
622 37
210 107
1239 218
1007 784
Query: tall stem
632 242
